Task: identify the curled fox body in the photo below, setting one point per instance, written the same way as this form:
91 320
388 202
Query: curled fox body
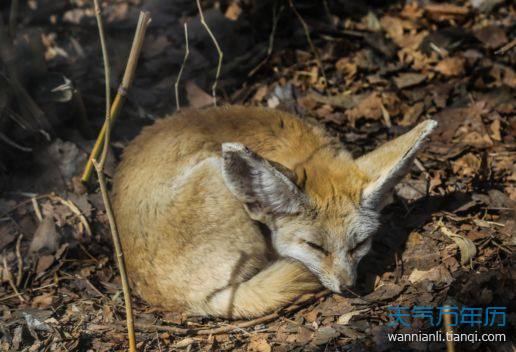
236 211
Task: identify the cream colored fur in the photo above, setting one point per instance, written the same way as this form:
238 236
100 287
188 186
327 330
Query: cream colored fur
189 207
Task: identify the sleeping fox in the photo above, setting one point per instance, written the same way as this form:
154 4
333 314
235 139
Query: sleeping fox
235 211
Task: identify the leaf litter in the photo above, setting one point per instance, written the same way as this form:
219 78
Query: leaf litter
449 234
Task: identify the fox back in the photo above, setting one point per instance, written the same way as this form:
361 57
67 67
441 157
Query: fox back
235 211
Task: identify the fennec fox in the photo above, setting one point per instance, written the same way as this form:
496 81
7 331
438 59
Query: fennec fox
236 211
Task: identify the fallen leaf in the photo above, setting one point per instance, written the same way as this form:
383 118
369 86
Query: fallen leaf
370 106
468 165
324 334
385 292
345 318
44 262
46 238
259 344
495 129
467 248
233 11
451 66
438 274
404 80
42 301
345 67
491 36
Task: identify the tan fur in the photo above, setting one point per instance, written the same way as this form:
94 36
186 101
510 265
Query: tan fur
190 245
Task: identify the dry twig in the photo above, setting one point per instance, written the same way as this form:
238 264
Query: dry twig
143 22
219 51
19 260
105 55
187 52
275 18
309 40
10 279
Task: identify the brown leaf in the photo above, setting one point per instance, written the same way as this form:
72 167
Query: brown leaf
44 262
410 79
491 36
451 66
46 238
468 165
345 67
385 292
495 129
42 301
370 107
437 274
412 113
259 344
233 11
324 335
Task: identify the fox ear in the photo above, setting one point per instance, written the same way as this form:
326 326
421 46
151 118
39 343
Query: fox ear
259 183
387 165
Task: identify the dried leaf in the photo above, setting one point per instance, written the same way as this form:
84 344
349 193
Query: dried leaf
405 80
451 66
259 344
46 238
345 318
467 248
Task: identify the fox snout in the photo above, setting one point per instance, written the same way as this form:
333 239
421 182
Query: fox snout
338 282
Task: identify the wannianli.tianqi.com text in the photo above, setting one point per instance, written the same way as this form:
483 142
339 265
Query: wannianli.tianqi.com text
439 336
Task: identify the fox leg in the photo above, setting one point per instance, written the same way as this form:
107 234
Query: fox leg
270 289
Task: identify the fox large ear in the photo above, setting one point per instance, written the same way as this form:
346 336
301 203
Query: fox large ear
260 185
387 165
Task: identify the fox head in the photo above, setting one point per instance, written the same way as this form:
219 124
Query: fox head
324 213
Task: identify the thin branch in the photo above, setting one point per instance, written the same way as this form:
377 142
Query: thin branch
11 281
275 19
119 256
19 260
219 51
105 55
99 167
187 52
143 22
309 40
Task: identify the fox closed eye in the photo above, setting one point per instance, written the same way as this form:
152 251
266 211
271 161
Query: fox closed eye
358 246
316 247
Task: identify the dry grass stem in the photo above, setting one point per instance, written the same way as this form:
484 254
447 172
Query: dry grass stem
187 53
143 22
37 211
119 257
19 261
105 55
10 279
219 51
74 209
99 166
275 18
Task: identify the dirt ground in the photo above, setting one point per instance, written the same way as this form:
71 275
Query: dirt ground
368 71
